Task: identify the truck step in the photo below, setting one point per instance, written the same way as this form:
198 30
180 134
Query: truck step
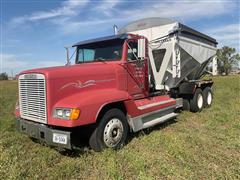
152 118
159 120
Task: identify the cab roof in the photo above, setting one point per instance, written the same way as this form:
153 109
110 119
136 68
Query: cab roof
106 38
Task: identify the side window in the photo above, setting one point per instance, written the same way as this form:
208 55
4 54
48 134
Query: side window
132 51
80 55
89 54
85 55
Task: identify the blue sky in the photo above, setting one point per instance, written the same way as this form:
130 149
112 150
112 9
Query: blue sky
34 32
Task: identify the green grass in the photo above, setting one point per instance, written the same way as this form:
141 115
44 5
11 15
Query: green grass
203 145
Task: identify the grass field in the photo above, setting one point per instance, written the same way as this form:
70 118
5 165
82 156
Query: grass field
203 145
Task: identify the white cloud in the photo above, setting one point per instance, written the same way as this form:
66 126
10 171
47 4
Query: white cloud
107 14
184 10
67 8
73 26
106 10
107 6
226 28
11 62
228 35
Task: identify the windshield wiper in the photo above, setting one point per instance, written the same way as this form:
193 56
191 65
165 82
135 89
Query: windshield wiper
100 59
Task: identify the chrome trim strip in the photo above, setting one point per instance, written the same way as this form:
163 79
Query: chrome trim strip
161 119
154 104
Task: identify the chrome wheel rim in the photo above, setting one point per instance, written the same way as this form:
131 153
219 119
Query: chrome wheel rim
113 132
209 98
200 101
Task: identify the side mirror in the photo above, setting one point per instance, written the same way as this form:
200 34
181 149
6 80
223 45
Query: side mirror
141 48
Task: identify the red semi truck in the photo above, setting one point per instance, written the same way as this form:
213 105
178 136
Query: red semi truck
119 84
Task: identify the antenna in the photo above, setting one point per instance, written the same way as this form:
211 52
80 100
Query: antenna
115 29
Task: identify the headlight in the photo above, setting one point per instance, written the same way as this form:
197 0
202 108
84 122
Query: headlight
66 113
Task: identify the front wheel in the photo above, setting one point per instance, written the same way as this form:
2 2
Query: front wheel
111 131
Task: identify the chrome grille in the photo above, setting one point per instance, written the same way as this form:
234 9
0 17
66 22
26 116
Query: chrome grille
32 97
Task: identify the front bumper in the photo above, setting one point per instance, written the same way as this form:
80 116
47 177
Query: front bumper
44 133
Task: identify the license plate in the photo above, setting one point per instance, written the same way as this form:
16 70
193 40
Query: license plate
60 138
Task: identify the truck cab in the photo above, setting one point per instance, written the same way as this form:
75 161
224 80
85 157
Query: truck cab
113 88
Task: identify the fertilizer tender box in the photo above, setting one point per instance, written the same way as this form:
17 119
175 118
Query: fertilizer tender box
123 83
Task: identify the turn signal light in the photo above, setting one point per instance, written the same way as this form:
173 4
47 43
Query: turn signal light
74 114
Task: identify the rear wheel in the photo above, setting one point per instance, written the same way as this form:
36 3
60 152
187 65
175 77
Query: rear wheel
196 103
207 97
111 131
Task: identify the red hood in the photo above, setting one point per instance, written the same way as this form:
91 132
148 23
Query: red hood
72 79
77 70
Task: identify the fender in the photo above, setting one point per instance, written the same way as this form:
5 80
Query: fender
90 104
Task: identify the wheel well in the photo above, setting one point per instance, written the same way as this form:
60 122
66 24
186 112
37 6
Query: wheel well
119 105
186 90
206 85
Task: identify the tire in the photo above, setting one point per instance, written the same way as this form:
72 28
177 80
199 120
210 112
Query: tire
207 97
186 105
111 131
196 103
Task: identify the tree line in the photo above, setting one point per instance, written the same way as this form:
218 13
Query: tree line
227 59
3 76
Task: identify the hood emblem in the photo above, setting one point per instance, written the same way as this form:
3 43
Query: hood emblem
80 85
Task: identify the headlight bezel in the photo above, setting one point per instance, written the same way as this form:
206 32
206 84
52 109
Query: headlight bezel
66 113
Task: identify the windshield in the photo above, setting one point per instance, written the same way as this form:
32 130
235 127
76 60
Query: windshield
100 51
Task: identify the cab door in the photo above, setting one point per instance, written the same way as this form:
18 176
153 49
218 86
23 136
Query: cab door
137 68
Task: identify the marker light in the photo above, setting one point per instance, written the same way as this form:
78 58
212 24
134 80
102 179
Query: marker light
74 114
